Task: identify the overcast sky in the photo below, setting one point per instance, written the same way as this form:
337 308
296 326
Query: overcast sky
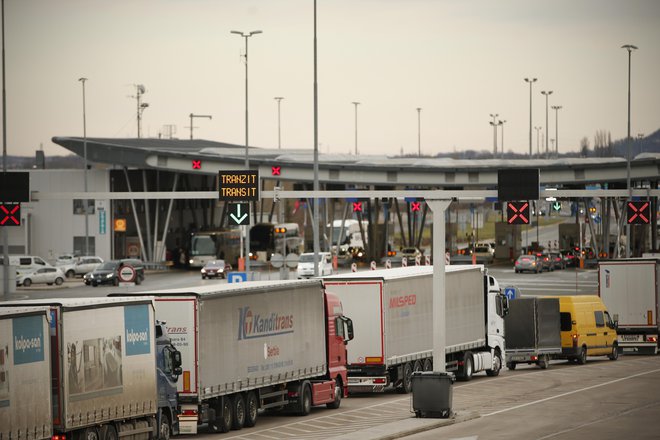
458 60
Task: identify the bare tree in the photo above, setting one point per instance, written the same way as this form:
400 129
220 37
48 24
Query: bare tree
584 147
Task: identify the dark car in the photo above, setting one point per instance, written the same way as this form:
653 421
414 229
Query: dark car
108 272
545 262
215 269
570 257
557 260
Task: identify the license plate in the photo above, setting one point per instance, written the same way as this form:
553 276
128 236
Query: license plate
631 338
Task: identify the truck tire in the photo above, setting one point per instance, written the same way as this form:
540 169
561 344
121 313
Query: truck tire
511 365
615 352
224 422
543 361
251 409
164 428
406 379
582 356
339 392
497 365
428 364
108 432
238 407
465 372
418 366
305 399
89 434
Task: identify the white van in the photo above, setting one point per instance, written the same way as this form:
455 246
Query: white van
306 264
25 263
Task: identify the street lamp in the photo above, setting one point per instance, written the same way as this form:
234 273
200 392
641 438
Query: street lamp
548 93
355 103
530 81
494 124
191 122
629 48
247 159
140 106
85 201
556 108
419 132
538 151
279 131
502 122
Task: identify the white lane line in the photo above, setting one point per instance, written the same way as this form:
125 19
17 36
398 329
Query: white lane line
571 392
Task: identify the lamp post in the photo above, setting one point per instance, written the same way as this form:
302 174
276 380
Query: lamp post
140 107
538 132
556 108
85 201
5 232
191 122
355 103
279 130
246 35
502 122
419 131
546 94
530 81
494 124
629 48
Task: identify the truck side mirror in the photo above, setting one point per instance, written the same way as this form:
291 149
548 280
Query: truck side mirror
349 328
176 363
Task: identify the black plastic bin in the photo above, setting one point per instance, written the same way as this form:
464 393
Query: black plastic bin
432 394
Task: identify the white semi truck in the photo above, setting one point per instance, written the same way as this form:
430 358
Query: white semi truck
630 288
92 369
255 345
392 311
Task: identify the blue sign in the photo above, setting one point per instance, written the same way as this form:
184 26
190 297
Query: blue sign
102 221
138 329
236 277
511 292
28 341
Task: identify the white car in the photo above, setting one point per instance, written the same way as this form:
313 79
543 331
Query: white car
48 275
306 264
81 266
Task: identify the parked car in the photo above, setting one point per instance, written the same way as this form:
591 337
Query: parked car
108 272
215 269
306 264
80 266
64 259
48 275
529 263
557 260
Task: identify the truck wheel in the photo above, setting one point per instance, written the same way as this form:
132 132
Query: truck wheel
252 407
164 430
543 362
511 365
406 380
305 399
108 432
428 364
418 366
582 357
239 412
339 391
224 422
615 352
89 434
497 365
465 372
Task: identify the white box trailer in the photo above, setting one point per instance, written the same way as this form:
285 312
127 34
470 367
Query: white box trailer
103 379
630 288
25 374
252 345
392 311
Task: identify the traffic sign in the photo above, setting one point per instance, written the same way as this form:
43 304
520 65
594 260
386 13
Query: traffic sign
120 225
276 171
277 260
556 206
127 274
196 164
10 214
517 213
15 187
415 206
239 214
102 225
236 277
639 213
518 184
357 206
511 292
238 186
291 260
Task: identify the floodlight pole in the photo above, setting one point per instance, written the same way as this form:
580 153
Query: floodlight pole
5 232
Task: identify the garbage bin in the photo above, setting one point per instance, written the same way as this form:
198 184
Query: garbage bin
432 394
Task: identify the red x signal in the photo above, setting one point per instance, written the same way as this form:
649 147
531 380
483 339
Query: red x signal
196 164
275 171
10 214
517 213
357 206
415 206
639 213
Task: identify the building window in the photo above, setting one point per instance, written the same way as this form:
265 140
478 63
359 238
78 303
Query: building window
79 206
79 246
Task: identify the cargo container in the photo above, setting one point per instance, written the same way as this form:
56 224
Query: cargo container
255 345
25 374
532 331
107 376
392 311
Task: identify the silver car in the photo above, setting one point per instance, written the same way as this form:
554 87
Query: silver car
47 275
527 262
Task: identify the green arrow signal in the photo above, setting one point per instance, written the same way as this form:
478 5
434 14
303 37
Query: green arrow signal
556 206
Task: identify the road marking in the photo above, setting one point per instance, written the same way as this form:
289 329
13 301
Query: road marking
572 392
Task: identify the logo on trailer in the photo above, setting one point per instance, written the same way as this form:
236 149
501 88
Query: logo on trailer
252 325
28 339
138 329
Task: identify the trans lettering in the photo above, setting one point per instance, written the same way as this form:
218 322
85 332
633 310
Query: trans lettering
252 325
239 192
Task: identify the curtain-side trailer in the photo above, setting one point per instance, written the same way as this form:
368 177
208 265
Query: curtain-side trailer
392 310
255 345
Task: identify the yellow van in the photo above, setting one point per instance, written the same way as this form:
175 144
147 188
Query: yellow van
586 328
